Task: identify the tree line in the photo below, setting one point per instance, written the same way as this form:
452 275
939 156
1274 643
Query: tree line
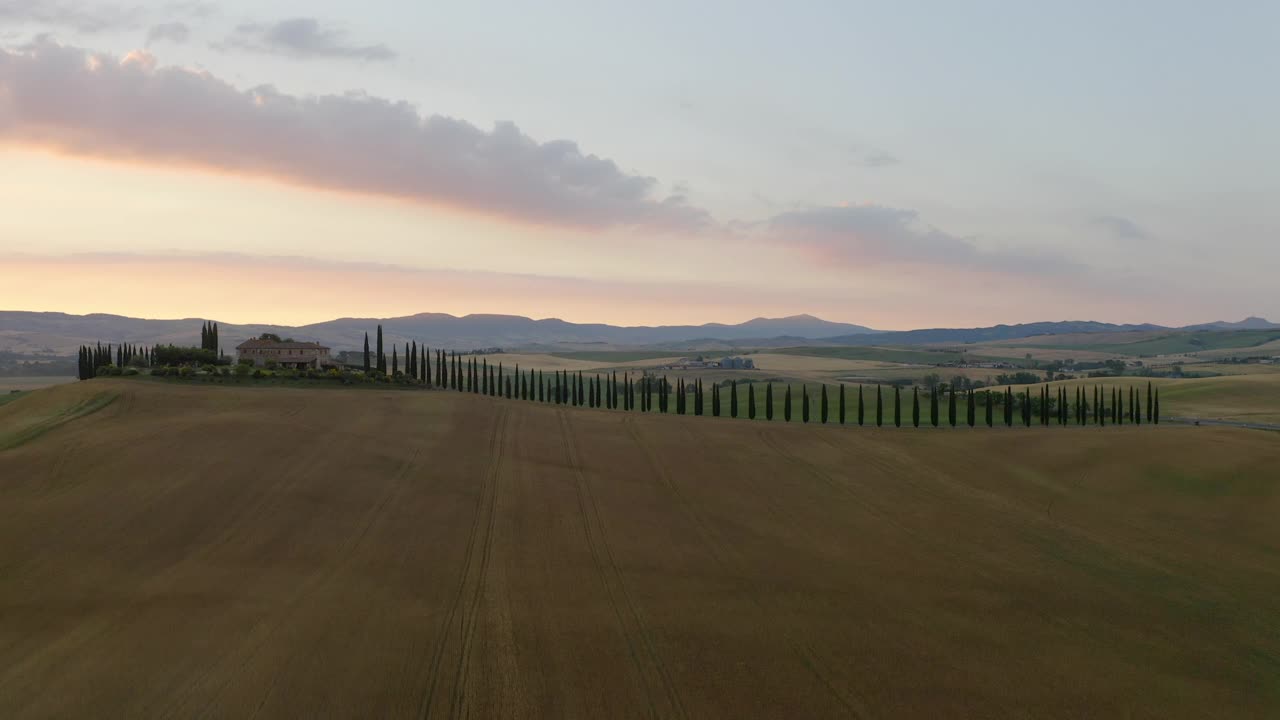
825 404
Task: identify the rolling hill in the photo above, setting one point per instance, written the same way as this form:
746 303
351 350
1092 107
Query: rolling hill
61 334
443 554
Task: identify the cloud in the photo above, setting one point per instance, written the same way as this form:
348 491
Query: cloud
75 16
873 158
1120 228
174 32
301 38
129 109
878 235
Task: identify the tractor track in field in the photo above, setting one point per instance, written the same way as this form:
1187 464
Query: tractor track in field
311 586
731 560
475 563
616 589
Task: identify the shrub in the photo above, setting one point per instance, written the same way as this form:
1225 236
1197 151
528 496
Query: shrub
226 372
289 373
208 368
272 364
243 370
245 361
159 372
258 373
185 371
131 371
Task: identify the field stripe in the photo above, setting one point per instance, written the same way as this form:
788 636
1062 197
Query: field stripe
615 587
473 572
730 558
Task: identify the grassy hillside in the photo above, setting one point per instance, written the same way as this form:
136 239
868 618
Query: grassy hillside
308 553
1173 343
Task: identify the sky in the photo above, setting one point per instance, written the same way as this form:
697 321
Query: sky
895 165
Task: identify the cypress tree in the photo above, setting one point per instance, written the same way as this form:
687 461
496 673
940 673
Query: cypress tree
581 388
951 405
381 359
715 399
804 403
915 406
664 397
879 407
861 408
768 401
824 403
1116 407
697 397
1149 401
897 406
1155 418
733 398
786 405
204 336
971 409
426 367
1008 407
1026 407
841 403
933 406
751 401
395 362
990 417
680 396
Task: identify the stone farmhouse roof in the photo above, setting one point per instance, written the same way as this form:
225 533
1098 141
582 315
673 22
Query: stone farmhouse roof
260 344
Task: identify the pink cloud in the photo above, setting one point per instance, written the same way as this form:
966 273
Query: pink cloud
133 109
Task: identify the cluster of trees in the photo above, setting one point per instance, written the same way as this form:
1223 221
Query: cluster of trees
93 357
209 337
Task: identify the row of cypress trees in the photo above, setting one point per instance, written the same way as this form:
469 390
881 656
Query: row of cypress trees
416 364
92 357
649 392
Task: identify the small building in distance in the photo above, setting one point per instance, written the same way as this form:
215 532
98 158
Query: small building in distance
738 363
286 353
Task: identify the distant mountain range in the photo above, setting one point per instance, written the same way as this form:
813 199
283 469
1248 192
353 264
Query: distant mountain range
60 334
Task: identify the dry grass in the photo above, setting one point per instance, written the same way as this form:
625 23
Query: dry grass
548 363
8 384
230 552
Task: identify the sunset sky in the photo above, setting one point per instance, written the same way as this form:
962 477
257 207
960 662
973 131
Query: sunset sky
897 165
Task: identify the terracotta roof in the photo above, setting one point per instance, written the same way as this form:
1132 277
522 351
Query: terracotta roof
260 344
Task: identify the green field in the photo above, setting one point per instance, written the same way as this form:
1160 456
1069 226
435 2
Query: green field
878 354
1177 343
606 357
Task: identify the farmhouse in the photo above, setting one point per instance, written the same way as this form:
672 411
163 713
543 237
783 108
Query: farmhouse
286 353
